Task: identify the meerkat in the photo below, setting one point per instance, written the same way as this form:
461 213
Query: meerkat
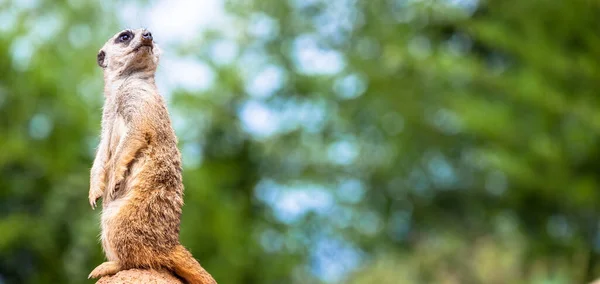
137 169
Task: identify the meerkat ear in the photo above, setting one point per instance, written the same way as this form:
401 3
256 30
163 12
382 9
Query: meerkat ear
101 56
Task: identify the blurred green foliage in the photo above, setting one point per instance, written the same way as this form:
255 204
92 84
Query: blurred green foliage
358 141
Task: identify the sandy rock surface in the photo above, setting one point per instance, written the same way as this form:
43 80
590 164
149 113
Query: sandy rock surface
140 276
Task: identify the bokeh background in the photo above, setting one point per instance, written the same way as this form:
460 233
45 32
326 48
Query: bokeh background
324 141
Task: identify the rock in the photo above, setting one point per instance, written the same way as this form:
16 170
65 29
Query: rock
140 276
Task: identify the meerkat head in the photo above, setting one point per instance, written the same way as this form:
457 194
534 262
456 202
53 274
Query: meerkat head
128 52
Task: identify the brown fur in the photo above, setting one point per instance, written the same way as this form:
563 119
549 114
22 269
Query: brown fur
137 170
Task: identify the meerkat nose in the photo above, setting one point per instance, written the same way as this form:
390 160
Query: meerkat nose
147 36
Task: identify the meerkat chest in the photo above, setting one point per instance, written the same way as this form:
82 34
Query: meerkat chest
117 130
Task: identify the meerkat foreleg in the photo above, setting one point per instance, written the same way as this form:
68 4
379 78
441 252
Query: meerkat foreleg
98 173
129 146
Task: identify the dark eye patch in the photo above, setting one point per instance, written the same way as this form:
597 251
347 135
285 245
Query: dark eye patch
124 37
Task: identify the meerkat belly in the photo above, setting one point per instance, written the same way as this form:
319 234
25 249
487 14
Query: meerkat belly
110 224
121 216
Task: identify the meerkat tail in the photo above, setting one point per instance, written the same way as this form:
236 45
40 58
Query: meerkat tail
188 268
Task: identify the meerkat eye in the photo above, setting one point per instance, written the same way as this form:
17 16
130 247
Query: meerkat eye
125 36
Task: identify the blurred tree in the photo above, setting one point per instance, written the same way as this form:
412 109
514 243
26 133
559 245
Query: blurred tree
422 118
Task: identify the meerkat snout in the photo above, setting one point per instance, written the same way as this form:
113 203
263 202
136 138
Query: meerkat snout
129 51
145 40
147 36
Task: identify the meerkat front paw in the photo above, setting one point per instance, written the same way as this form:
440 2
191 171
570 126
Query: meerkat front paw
97 184
104 269
96 191
115 179
94 195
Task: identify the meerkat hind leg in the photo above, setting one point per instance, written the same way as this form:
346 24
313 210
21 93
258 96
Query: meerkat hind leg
104 269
